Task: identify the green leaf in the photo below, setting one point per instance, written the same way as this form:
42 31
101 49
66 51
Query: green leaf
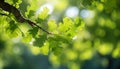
55 47
27 38
67 24
52 25
31 13
45 49
14 2
63 39
32 8
44 13
81 26
77 21
57 50
12 29
57 43
40 40
12 26
33 31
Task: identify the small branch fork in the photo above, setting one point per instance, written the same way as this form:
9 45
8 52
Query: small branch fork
11 9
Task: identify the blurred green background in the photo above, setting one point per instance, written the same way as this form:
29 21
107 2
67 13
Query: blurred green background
96 47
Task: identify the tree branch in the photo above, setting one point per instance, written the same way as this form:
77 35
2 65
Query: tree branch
19 17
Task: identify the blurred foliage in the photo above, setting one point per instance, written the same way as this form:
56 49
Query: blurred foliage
90 40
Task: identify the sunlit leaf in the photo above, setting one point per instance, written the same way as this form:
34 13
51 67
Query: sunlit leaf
66 25
45 49
27 38
52 25
44 13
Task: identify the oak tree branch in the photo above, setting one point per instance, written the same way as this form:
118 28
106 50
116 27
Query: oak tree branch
19 17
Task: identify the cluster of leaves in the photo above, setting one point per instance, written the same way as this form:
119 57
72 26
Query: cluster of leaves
62 33
14 2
